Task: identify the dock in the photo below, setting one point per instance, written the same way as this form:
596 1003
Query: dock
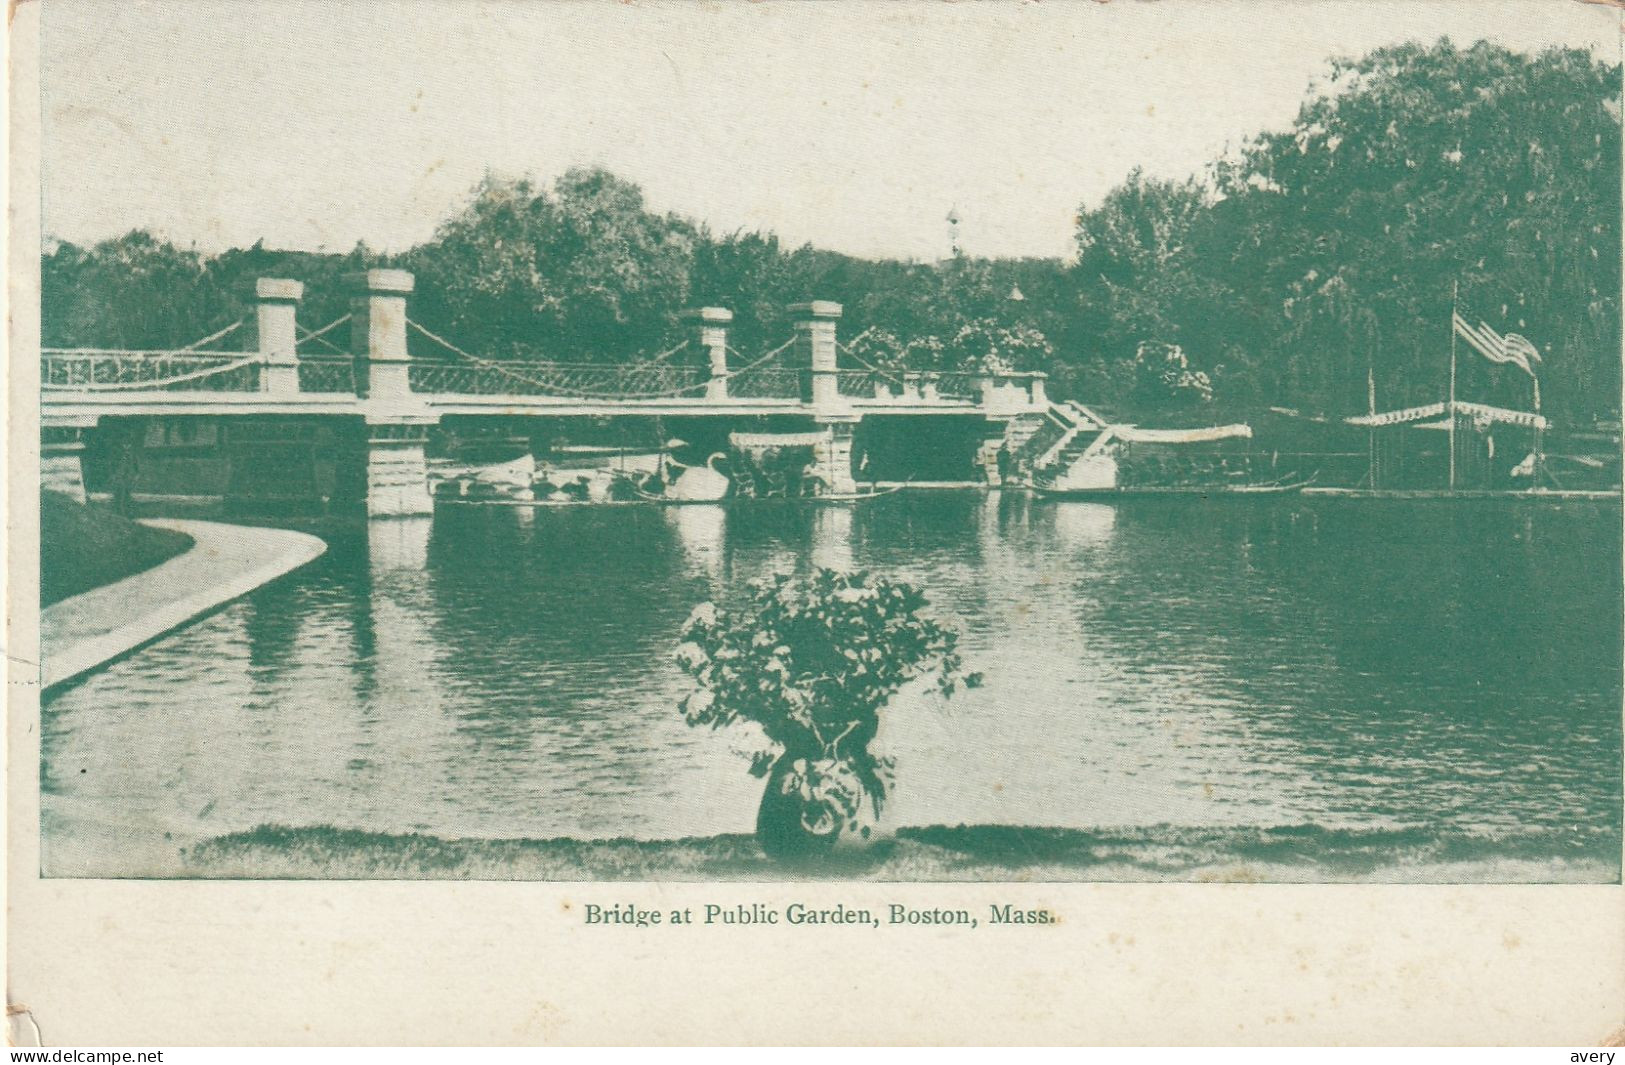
1540 495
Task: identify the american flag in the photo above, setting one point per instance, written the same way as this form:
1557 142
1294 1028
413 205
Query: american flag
1496 347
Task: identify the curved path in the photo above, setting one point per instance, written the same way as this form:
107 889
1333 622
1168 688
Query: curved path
225 561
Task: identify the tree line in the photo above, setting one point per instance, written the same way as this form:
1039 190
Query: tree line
1313 267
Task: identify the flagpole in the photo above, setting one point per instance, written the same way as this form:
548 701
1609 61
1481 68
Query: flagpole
1455 287
1540 458
1371 434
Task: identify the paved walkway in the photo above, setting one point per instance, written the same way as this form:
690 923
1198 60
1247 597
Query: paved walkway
225 561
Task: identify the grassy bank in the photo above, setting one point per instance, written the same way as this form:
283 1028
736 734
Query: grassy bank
1297 854
84 547
329 853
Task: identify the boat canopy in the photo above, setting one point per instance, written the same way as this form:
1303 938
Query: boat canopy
747 441
606 450
1133 434
1479 412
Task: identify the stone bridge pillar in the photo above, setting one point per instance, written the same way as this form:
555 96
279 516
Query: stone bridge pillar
398 470
61 460
278 309
378 334
832 457
815 349
398 424
710 334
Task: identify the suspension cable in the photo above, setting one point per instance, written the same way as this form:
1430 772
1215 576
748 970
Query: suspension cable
759 360
664 355
212 337
889 375
318 334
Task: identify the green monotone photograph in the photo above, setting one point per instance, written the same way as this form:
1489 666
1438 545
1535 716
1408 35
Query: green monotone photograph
776 442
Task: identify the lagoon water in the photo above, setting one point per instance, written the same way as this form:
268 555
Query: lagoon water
1306 689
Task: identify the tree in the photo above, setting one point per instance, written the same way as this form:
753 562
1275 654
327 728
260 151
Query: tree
1423 169
1325 253
753 276
134 292
327 278
982 345
1164 378
1140 279
625 269
583 274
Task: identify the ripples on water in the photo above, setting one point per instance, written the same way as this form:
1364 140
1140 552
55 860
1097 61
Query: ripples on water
1441 681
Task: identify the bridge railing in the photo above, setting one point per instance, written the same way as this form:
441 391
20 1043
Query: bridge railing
99 370
106 370
911 385
1004 391
768 382
866 384
1013 392
329 375
962 386
565 380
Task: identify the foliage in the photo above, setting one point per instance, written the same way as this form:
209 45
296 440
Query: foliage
982 345
812 662
751 275
142 293
582 274
885 350
133 292
1164 378
1136 257
1327 252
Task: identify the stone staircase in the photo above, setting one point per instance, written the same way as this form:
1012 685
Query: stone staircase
1020 430
1045 445
1072 449
1080 427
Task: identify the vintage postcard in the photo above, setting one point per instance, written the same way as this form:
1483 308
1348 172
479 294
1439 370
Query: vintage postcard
1087 513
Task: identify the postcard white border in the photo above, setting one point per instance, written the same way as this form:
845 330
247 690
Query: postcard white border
393 963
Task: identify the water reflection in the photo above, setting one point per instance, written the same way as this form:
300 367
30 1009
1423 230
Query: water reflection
1083 525
494 672
832 537
399 543
702 533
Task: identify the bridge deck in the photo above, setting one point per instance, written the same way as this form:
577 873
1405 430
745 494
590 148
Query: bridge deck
69 409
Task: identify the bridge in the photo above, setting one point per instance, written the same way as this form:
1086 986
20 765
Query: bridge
356 422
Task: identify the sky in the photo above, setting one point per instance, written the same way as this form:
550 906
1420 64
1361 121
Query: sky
314 124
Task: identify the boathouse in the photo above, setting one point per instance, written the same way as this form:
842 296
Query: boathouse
1452 446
